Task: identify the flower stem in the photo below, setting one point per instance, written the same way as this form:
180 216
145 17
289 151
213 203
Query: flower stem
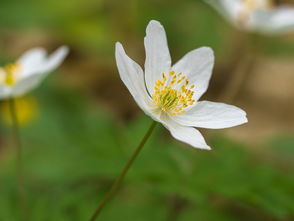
247 60
119 179
237 82
19 169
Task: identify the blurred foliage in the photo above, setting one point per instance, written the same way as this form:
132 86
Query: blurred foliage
75 148
94 25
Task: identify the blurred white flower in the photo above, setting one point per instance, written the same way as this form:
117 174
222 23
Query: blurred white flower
261 16
170 94
28 71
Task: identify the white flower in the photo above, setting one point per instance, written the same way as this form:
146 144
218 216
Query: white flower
170 94
256 15
28 71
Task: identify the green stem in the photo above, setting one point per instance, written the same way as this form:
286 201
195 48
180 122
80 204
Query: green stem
19 169
119 179
247 62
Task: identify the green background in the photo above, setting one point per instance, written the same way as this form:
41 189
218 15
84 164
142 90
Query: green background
88 125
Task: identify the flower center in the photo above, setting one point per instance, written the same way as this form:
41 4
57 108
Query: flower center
258 4
248 6
8 74
172 93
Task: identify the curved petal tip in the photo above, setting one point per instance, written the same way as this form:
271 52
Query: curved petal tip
154 26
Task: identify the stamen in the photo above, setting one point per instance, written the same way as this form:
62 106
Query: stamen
172 93
10 74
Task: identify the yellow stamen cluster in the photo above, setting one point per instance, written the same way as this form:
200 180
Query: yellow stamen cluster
10 74
173 93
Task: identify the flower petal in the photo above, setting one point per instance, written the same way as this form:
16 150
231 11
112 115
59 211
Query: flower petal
5 92
157 54
31 61
27 84
35 67
54 60
197 66
276 21
133 77
35 62
212 115
185 134
228 8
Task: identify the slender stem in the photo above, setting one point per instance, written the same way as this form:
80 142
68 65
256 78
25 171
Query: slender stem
237 82
245 66
119 179
19 169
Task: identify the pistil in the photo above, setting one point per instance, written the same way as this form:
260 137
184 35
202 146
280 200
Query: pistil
173 93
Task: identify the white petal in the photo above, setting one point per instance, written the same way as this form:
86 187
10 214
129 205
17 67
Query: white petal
54 60
5 92
35 66
185 134
27 84
157 54
277 21
35 61
31 61
197 66
228 8
212 115
133 77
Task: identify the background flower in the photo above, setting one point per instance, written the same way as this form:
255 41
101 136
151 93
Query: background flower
256 15
28 71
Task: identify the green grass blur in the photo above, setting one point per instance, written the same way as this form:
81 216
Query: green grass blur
88 124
